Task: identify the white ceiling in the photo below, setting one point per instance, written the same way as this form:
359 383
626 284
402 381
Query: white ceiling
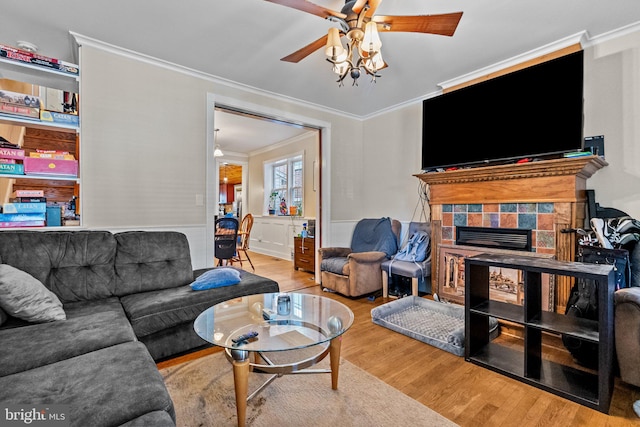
242 41
244 134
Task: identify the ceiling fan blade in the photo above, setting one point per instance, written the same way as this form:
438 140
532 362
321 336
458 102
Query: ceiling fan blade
373 5
444 24
300 54
305 6
357 7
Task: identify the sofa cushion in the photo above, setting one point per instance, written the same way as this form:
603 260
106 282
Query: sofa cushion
151 260
216 278
154 419
107 387
85 330
154 311
75 265
24 297
337 265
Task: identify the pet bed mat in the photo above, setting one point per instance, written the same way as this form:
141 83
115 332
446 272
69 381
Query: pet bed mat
435 323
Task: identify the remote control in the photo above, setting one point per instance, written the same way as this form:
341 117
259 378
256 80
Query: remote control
245 337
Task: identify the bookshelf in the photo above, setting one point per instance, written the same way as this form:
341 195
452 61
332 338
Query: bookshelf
529 363
33 133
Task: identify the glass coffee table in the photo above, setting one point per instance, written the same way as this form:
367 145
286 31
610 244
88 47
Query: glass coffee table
294 332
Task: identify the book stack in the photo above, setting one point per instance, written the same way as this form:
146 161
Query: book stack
26 209
19 104
51 162
19 55
11 158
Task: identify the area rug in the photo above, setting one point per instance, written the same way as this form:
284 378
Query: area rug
203 394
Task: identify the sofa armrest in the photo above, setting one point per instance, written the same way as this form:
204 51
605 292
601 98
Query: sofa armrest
370 257
627 295
333 252
627 333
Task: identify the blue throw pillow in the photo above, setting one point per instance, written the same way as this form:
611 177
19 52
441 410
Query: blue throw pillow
216 278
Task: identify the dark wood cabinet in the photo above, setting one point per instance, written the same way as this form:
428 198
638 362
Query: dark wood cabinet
529 363
304 256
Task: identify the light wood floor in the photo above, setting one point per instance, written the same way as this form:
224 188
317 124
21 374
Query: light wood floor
465 393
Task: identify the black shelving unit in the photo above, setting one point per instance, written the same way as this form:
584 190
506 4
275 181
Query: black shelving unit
586 387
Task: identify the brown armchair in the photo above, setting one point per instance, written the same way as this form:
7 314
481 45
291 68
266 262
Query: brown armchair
355 271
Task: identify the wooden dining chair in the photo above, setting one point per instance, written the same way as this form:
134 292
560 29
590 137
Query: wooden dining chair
243 241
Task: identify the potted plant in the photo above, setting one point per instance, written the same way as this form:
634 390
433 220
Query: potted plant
272 202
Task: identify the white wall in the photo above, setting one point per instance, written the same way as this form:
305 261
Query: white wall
612 109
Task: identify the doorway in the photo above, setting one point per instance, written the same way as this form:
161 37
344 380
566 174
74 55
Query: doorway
230 189
259 115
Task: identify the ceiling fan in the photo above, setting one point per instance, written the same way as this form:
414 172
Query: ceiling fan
359 23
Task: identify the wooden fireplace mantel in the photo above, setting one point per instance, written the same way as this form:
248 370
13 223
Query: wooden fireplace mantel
557 180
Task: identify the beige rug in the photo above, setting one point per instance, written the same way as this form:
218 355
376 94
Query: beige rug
203 394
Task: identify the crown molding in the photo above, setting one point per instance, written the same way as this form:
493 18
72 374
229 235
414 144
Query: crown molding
82 40
547 49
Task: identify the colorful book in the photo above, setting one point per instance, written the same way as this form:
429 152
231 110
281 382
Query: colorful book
32 223
28 200
13 217
28 193
19 99
3 160
18 110
12 168
11 153
9 208
62 118
52 154
36 166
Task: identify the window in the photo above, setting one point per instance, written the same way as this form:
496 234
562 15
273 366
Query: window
284 182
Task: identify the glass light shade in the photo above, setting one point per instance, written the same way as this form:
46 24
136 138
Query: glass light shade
371 41
334 47
375 63
341 67
217 152
341 64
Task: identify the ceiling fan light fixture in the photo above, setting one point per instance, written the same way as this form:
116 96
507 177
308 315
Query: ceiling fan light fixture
334 47
359 23
371 41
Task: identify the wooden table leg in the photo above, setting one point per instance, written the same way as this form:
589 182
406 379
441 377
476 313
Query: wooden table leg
241 382
385 284
334 357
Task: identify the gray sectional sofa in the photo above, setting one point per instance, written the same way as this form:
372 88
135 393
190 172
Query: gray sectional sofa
123 303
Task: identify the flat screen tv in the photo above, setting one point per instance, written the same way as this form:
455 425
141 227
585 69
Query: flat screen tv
531 113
